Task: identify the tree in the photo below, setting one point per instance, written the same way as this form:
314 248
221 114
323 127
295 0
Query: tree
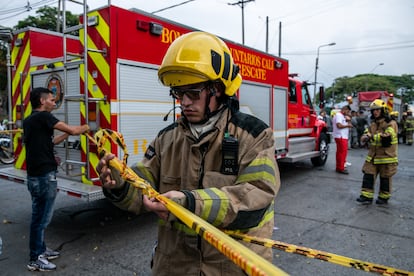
3 66
47 19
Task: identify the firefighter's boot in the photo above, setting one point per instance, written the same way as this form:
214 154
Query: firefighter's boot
364 200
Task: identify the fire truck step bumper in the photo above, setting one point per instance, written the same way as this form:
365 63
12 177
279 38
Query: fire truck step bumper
292 158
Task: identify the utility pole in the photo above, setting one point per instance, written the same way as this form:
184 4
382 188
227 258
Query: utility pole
241 4
267 34
316 66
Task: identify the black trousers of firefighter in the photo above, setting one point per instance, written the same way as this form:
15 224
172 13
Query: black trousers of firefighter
385 172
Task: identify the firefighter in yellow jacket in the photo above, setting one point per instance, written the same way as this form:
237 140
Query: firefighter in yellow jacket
409 127
214 160
382 156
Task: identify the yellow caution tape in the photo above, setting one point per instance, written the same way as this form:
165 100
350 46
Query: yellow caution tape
321 255
246 259
11 131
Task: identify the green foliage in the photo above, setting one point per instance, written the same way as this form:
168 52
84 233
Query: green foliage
3 67
47 19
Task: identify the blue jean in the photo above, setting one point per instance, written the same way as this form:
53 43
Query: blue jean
43 190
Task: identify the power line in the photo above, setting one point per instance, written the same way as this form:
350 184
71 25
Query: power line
26 7
173 6
23 9
371 48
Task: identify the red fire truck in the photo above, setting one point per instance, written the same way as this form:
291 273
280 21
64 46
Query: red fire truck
107 77
363 99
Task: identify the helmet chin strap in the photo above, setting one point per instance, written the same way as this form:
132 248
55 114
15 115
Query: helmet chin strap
208 114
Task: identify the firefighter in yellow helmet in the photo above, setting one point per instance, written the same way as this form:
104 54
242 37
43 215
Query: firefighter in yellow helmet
382 156
409 127
403 125
394 115
214 160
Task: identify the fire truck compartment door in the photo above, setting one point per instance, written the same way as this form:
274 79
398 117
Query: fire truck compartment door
142 104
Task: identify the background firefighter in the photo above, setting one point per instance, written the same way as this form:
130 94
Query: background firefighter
409 127
382 157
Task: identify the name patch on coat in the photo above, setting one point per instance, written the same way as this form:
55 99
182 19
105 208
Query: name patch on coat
150 153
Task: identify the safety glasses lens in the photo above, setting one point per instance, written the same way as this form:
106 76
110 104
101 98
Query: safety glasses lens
192 94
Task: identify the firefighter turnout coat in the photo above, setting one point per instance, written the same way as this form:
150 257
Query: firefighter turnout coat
241 198
380 152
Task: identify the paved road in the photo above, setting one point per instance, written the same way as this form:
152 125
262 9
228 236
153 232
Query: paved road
315 208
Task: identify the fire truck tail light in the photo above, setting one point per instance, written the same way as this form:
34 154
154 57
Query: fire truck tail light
93 115
18 42
93 21
278 64
152 27
19 109
142 25
92 111
155 28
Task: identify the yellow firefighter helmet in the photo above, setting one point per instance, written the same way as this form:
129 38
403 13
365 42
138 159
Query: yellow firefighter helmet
199 57
394 113
379 104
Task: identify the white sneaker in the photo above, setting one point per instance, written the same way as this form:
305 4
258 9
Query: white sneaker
41 264
347 164
51 254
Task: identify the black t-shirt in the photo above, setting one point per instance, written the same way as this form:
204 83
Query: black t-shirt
361 122
38 138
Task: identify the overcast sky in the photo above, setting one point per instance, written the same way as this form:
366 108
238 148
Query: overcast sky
366 32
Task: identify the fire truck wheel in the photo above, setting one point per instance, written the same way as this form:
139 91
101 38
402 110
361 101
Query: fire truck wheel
323 151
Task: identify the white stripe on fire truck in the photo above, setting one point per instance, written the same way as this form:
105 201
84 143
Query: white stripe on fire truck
297 131
141 107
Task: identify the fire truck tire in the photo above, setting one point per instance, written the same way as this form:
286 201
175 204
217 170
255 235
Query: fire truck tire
323 151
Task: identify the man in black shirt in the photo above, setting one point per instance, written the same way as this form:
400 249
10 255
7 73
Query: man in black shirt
39 141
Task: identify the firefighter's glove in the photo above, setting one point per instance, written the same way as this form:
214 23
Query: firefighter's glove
183 202
119 181
110 179
118 191
386 141
365 138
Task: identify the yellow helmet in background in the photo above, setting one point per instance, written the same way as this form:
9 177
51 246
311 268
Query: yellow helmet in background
379 104
199 57
394 113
